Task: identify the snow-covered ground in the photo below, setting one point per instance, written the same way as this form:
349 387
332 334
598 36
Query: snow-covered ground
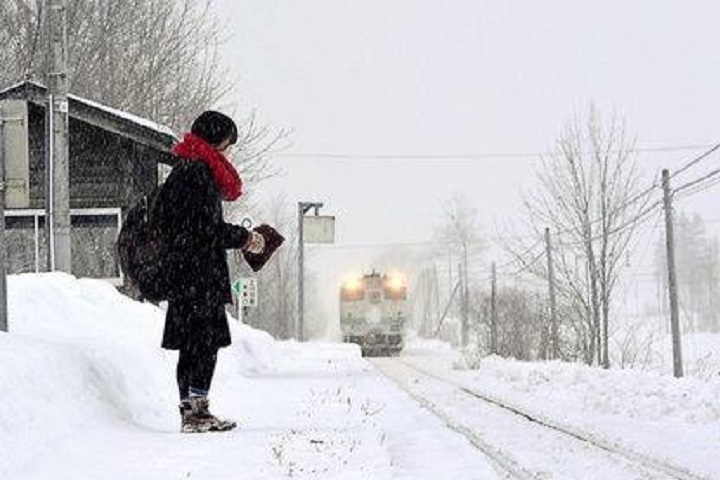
88 393
676 421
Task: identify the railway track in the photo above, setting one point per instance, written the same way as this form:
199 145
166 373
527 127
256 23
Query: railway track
557 452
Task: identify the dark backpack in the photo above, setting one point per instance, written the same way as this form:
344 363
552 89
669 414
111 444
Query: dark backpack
141 250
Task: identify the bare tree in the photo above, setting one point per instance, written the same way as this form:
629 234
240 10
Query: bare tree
522 332
158 59
277 281
590 198
460 239
460 229
155 58
426 301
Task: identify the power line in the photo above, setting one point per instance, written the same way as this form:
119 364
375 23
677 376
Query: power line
519 258
649 190
630 223
653 232
696 160
616 209
639 218
467 156
697 181
699 188
418 244
655 184
528 265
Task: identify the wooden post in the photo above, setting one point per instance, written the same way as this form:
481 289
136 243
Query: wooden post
493 312
554 341
57 190
3 247
672 277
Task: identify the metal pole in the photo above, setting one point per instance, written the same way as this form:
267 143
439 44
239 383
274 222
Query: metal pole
551 293
493 312
672 277
303 208
447 309
450 274
49 182
463 316
58 178
300 327
3 247
240 308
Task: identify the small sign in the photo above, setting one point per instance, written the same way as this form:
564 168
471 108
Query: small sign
318 229
247 289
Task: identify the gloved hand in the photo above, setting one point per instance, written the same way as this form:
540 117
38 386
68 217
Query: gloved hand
255 243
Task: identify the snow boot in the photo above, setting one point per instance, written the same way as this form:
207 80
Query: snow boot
196 417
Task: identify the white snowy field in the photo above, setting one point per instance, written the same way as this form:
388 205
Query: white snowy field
88 393
676 421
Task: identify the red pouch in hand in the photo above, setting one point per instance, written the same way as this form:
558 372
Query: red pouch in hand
273 240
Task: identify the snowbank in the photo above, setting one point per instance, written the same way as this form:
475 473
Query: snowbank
88 393
79 353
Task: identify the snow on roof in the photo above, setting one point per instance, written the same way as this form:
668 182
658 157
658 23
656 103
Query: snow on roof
112 111
127 116
18 85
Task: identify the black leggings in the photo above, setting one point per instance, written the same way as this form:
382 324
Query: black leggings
195 369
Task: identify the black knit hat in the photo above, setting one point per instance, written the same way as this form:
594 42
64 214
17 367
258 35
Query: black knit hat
214 127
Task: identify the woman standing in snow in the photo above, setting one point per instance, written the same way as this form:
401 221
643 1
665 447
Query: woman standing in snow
189 218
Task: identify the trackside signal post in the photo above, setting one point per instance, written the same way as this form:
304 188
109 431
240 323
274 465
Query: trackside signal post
320 229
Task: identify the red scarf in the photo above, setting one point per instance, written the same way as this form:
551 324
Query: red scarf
226 177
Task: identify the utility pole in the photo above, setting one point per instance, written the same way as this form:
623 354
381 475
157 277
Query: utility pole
447 309
303 208
493 312
432 301
672 277
435 292
465 307
424 282
57 170
551 295
451 284
3 246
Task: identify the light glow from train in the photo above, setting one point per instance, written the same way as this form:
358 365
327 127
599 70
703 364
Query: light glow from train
396 281
352 283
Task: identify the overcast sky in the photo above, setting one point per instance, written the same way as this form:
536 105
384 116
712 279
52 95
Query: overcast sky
379 77
452 77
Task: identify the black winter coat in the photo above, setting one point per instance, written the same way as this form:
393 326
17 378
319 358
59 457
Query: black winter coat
188 213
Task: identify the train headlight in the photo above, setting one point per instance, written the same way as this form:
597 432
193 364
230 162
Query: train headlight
352 284
396 282
352 290
395 287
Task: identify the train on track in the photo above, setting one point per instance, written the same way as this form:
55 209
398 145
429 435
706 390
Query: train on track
374 311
